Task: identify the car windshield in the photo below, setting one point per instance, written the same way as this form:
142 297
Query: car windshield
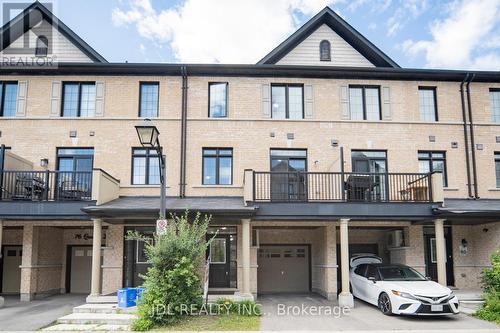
400 273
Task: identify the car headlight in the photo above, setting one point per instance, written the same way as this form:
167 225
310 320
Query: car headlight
451 295
403 294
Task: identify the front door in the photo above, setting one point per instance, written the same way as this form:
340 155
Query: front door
431 260
11 272
288 177
74 178
370 184
220 263
80 269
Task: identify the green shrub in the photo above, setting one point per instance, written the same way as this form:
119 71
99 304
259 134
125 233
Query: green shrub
491 286
172 283
491 308
491 276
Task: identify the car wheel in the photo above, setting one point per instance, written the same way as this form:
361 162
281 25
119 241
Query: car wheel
384 304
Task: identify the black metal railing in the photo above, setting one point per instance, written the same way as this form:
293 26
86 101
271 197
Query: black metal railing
341 186
46 185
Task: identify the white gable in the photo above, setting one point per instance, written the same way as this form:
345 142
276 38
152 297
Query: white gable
342 53
63 50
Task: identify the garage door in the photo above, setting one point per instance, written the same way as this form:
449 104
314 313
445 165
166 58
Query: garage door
283 269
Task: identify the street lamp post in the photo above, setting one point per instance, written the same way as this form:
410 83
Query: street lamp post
148 137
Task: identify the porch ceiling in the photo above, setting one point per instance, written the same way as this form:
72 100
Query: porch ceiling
44 210
469 211
354 210
138 208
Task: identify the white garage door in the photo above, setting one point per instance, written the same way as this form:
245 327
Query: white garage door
283 269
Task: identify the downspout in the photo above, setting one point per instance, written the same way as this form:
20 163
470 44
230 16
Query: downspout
466 136
473 145
182 183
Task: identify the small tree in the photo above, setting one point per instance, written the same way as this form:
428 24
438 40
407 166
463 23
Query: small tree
491 286
173 280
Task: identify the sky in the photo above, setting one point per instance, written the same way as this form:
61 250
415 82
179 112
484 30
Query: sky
448 34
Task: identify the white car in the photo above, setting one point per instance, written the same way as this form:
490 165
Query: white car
399 289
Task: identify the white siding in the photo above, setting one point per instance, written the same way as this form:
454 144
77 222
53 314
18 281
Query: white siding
63 49
342 53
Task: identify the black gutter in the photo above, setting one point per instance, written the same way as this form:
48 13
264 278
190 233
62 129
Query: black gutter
182 181
473 148
466 137
126 69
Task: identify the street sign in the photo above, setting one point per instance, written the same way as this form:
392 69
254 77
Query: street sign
161 226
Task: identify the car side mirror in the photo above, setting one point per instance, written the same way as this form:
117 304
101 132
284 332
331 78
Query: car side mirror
371 278
428 278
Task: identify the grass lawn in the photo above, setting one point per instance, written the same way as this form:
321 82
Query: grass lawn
231 322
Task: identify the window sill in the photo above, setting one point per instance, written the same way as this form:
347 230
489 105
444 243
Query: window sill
217 186
450 189
495 189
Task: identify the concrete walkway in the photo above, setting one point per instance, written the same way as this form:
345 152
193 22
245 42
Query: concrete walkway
30 316
290 313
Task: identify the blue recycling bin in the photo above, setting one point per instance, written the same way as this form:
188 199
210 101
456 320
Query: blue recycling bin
126 297
140 291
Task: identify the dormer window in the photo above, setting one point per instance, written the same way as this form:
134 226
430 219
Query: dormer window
42 46
324 51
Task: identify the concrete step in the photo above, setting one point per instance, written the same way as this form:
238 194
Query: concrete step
98 318
101 299
103 308
71 327
86 328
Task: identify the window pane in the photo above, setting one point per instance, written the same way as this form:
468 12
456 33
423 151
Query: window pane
289 153
225 170
209 170
10 100
218 251
278 98
356 103
75 151
226 152
424 166
70 104
139 151
424 155
149 101
87 104
154 171
218 107
372 104
139 172
295 104
209 152
495 106
369 154
427 104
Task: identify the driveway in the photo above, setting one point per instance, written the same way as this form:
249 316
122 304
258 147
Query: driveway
295 312
30 316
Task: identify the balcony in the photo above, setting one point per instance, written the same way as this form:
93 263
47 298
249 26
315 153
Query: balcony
46 185
301 187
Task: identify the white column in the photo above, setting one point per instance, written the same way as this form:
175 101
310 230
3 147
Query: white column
245 255
440 251
345 297
95 289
